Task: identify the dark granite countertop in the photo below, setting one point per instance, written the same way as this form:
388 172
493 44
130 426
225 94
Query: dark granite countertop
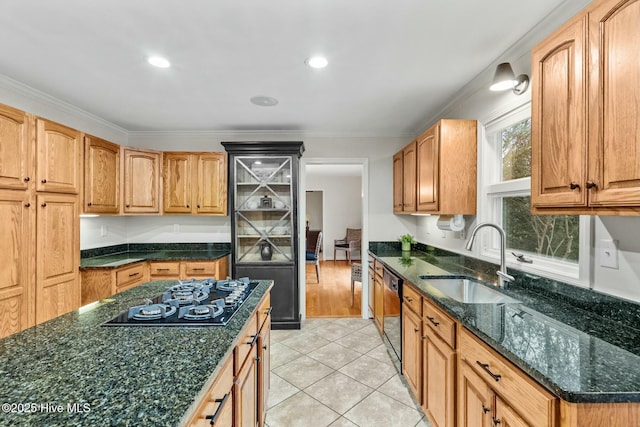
125 258
576 352
125 376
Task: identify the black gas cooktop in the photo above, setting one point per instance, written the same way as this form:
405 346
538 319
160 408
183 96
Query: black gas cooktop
205 302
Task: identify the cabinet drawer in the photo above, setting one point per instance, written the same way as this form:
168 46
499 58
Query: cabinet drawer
200 268
439 322
246 342
264 310
130 276
411 299
218 401
532 401
377 267
164 268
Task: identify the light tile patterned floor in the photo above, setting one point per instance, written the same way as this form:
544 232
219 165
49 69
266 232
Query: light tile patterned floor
337 372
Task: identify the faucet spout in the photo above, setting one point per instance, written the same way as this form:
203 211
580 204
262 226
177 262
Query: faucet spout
503 276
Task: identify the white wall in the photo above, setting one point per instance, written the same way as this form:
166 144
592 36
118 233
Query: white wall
315 200
100 231
342 207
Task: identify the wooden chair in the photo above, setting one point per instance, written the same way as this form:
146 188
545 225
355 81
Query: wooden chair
350 243
313 257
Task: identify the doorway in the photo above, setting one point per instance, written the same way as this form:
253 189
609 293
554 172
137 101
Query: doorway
335 199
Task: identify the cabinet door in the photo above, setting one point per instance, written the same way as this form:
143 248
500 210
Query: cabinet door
505 416
57 255
409 178
212 184
614 103
371 285
245 395
101 176
412 352
398 182
59 157
428 169
177 174
141 181
16 298
439 380
474 399
378 303
15 156
264 368
558 126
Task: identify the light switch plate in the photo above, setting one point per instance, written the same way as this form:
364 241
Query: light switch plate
608 252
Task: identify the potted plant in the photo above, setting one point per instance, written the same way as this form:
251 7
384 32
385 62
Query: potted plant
406 241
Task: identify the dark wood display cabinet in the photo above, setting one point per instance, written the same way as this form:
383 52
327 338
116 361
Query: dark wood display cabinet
263 198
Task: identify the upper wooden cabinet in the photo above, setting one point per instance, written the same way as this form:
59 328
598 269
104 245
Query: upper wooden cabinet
15 153
195 183
59 158
101 176
436 173
141 181
585 104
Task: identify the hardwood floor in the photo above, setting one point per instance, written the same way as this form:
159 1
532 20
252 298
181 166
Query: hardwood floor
332 296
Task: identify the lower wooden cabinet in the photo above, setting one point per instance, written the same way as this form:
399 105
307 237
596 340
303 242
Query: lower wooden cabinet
216 408
412 351
474 399
100 283
439 380
264 359
245 388
378 302
167 270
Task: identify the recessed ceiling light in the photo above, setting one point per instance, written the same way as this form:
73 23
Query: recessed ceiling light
264 101
316 62
158 61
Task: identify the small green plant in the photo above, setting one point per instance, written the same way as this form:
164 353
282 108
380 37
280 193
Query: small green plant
407 238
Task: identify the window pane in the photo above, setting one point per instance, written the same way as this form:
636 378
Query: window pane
554 236
516 150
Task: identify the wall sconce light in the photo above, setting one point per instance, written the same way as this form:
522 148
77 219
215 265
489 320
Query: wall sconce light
505 79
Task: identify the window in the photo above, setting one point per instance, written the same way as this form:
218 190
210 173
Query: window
552 242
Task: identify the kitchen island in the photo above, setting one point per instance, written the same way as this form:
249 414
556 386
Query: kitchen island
72 371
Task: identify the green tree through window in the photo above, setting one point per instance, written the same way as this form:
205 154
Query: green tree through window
555 236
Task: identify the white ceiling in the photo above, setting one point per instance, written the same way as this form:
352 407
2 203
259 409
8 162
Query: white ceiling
333 170
392 64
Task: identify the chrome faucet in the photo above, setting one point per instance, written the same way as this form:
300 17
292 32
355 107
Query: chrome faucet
502 273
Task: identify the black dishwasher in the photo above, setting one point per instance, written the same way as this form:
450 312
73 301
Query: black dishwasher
392 311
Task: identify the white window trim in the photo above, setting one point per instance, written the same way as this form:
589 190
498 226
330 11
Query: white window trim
489 187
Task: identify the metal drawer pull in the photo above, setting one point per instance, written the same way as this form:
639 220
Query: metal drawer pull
574 186
216 414
496 421
409 299
485 409
162 269
198 269
268 311
433 320
254 338
485 366
416 330
591 184
133 274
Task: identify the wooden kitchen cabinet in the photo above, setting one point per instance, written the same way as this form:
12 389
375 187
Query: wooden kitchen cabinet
195 183
447 168
264 358
378 297
164 270
412 351
371 284
141 181
101 176
216 408
404 180
16 281
512 394
398 182
475 399
439 366
57 255
585 137
15 156
58 158
130 276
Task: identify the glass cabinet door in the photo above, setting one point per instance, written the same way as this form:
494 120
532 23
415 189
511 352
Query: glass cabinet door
262 209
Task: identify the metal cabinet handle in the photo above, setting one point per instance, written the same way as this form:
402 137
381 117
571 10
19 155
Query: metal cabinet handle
216 414
187 205
198 206
162 269
44 181
126 206
26 205
574 186
44 205
409 299
89 204
485 409
591 184
268 311
254 338
198 269
433 321
485 367
416 330
27 179
133 274
496 421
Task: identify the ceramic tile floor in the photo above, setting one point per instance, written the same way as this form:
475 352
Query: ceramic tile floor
336 372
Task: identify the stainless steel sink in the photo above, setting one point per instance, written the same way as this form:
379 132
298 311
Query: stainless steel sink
468 291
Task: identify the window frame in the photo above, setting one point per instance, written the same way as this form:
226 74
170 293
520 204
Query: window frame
491 190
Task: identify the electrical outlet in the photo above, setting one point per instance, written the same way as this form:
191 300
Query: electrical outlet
608 252
103 230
